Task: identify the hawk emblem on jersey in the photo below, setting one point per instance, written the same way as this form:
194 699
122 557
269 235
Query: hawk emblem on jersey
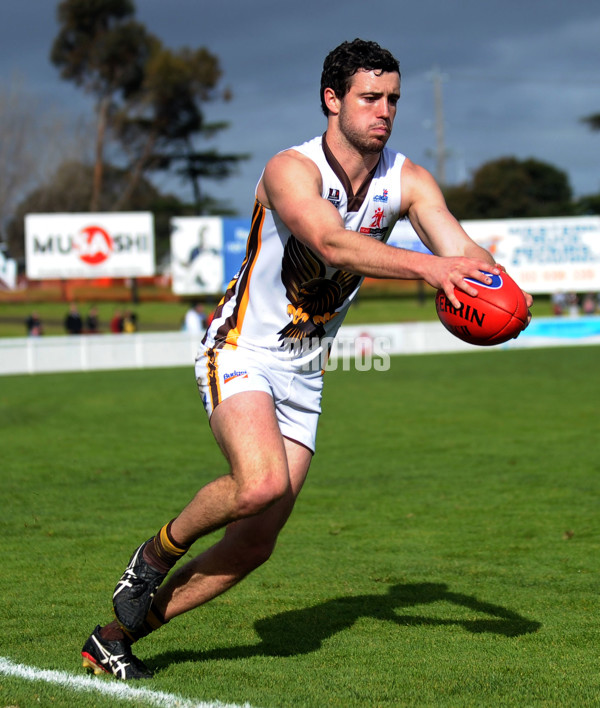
313 297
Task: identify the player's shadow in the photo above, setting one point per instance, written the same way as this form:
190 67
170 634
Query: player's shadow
303 631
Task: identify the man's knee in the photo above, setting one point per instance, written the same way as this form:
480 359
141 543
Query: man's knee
258 494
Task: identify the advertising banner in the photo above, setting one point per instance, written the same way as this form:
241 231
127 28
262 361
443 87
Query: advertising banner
404 236
545 255
8 272
197 261
235 233
89 245
206 253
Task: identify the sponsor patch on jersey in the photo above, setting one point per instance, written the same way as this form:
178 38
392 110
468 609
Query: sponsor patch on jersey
334 196
494 285
235 375
377 227
381 197
374 233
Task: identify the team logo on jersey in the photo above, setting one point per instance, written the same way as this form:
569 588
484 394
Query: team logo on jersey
383 197
377 227
314 299
334 196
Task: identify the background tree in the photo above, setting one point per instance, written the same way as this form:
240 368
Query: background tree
102 49
593 121
590 203
34 140
587 205
149 97
17 153
159 126
511 188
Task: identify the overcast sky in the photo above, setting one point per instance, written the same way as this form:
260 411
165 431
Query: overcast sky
518 75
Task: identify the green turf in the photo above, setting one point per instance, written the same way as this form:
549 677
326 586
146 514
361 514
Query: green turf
444 551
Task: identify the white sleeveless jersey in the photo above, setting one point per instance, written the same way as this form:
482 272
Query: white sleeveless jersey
285 299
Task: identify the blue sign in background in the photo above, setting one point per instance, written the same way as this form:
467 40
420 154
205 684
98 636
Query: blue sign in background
235 234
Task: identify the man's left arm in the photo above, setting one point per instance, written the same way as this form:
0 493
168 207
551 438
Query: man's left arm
437 228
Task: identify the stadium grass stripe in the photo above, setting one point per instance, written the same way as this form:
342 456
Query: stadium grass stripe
119 691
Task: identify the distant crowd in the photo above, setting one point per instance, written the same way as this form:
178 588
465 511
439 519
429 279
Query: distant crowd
119 323
573 305
195 320
75 323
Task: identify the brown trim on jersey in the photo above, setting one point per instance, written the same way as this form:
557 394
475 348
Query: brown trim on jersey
213 378
354 200
230 329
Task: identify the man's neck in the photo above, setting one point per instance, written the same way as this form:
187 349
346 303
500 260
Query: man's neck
356 165
357 190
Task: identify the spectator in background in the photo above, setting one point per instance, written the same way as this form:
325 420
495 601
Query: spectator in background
116 323
92 324
589 304
73 320
33 325
195 319
130 322
559 303
573 304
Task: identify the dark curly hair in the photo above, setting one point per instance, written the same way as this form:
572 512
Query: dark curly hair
344 61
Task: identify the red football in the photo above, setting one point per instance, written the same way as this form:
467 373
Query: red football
497 314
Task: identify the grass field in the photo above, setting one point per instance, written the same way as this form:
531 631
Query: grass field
444 551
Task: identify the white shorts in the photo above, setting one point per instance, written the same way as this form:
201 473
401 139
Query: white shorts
221 373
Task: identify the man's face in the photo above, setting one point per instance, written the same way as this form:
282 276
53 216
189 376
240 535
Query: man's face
368 110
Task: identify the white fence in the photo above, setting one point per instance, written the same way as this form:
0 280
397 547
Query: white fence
36 355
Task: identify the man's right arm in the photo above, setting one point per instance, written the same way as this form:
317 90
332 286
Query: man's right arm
291 185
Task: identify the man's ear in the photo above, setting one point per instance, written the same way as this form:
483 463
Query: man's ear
332 102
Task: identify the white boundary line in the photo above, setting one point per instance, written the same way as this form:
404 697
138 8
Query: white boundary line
116 689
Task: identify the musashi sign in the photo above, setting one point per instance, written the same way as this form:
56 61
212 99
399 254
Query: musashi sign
115 245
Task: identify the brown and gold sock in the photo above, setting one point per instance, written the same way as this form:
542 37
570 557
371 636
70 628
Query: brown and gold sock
163 551
114 631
